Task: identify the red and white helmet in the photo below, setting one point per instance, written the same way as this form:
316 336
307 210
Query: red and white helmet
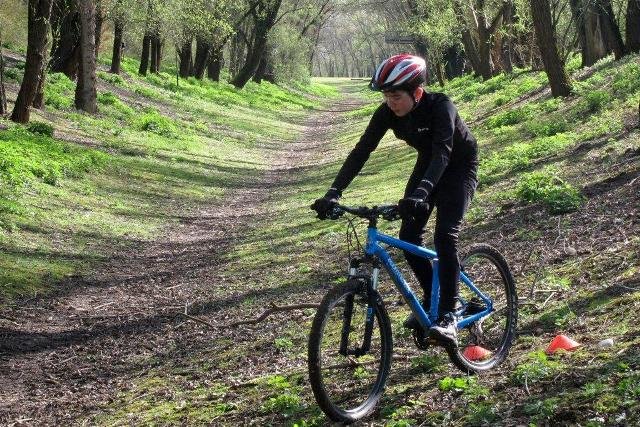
401 71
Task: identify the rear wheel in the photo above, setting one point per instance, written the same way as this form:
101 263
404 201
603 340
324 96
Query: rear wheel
485 343
348 387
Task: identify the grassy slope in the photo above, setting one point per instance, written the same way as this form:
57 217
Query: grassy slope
588 256
153 152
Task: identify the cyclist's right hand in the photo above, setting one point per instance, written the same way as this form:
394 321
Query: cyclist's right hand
324 204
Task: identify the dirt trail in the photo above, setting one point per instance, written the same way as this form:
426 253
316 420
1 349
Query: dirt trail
64 357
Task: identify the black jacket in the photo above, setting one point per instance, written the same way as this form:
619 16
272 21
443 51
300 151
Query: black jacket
433 128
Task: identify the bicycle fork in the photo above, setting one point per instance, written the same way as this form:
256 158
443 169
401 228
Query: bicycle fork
372 284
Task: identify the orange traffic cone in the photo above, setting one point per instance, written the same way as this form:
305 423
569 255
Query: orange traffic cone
475 352
562 342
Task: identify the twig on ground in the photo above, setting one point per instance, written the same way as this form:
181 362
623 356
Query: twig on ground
551 295
195 319
104 305
274 309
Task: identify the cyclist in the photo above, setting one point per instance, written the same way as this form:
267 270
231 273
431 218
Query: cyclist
444 176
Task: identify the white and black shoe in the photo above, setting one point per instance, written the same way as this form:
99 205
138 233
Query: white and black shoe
445 330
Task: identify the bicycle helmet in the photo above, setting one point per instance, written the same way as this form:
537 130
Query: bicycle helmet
399 72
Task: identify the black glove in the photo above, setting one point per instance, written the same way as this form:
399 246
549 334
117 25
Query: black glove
324 204
414 206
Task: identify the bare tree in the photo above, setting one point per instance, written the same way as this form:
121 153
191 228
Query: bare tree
546 38
85 97
38 34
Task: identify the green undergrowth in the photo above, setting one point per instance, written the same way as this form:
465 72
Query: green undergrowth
71 183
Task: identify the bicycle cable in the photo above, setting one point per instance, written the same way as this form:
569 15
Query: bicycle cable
357 247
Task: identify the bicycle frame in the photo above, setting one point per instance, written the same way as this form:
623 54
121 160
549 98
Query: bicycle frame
373 249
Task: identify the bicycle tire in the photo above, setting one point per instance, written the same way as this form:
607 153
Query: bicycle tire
327 394
489 271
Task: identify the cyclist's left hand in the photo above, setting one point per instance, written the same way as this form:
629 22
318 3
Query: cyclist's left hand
412 207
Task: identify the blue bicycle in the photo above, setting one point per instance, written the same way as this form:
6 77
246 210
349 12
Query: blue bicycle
350 344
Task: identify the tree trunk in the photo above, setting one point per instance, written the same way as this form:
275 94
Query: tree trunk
507 39
154 53
545 36
215 64
467 39
262 67
38 98
99 20
601 32
632 33
203 50
116 57
3 95
65 50
264 22
38 33
185 59
454 62
485 31
610 30
595 47
144 58
439 72
577 12
160 45
86 87
485 66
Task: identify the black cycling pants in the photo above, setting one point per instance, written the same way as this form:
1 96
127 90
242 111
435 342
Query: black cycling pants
451 198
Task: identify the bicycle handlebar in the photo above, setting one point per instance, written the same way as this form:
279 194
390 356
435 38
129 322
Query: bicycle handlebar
388 212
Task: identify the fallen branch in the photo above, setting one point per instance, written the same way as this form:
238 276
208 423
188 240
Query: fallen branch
274 309
195 319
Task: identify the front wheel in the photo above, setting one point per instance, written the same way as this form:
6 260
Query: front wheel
346 377
485 343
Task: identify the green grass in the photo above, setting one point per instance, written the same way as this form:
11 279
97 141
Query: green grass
152 148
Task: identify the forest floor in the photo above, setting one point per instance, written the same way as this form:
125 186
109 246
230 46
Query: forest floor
113 346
